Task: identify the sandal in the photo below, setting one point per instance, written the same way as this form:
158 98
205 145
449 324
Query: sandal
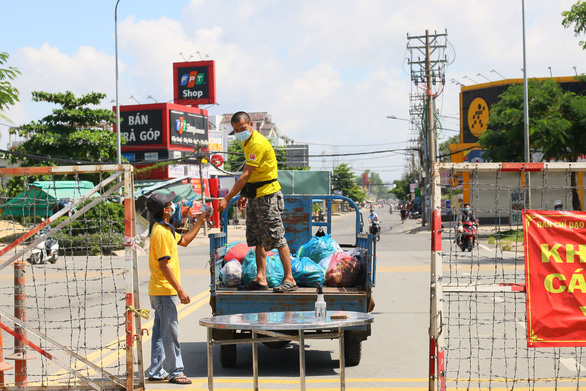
253 286
285 287
150 378
181 379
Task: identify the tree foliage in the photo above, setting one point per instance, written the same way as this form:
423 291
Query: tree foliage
444 149
557 123
8 93
235 160
576 18
402 186
557 126
344 180
73 131
375 184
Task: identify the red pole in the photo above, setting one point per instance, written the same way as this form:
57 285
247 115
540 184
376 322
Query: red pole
19 356
214 183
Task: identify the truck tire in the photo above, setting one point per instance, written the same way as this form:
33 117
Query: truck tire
352 350
228 356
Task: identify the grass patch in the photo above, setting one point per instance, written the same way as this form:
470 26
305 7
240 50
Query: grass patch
507 237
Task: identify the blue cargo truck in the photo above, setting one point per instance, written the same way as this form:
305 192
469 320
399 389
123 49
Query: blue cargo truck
299 226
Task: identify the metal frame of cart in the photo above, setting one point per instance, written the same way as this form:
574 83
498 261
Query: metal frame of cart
263 325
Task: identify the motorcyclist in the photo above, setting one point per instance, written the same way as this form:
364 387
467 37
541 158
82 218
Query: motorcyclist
372 217
465 216
557 205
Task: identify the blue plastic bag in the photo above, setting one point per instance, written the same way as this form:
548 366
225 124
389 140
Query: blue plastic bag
318 248
275 272
306 272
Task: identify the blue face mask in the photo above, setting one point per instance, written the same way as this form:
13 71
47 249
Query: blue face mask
467 209
243 136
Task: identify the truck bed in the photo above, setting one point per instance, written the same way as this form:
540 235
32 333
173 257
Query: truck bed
231 300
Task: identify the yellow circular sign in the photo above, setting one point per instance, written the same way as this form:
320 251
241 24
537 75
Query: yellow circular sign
478 117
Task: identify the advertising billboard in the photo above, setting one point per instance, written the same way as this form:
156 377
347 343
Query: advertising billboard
194 83
142 127
187 128
476 101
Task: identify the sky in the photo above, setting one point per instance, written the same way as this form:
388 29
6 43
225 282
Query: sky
328 71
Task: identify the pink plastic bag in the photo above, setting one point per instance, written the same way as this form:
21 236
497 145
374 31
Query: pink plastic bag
344 271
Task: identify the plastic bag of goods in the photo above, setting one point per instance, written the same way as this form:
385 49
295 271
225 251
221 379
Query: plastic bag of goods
344 271
275 272
358 253
237 250
231 273
306 272
318 248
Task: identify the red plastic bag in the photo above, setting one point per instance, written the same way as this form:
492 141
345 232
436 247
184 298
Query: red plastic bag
344 271
238 251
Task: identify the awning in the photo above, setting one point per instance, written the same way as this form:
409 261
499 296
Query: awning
44 197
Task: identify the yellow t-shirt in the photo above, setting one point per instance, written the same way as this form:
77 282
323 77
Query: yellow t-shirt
260 154
163 244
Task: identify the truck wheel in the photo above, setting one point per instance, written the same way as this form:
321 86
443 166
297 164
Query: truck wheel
352 350
228 356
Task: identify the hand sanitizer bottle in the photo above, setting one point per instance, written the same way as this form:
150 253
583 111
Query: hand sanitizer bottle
320 305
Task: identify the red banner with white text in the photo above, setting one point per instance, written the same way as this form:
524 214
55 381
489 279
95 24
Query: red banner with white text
555 277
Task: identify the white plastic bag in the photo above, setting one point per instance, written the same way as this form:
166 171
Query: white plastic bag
231 273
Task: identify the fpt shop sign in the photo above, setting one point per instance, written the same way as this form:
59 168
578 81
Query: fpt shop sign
195 83
187 128
142 127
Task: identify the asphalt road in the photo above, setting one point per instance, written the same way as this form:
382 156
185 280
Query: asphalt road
394 356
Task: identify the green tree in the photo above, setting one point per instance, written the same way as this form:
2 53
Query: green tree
8 94
236 159
344 180
74 132
375 184
402 186
444 149
557 125
576 18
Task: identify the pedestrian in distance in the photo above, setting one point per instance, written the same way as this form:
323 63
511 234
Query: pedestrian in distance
260 194
403 213
165 290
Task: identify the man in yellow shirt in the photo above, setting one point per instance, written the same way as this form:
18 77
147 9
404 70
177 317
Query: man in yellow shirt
259 188
165 289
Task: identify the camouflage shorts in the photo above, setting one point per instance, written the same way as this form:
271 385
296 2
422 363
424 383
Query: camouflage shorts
264 225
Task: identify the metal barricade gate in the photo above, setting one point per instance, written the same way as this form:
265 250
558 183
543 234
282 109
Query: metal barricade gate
69 322
478 324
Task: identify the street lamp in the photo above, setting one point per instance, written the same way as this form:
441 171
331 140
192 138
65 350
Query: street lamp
497 73
550 75
480 74
575 71
132 97
397 118
466 77
118 142
150 97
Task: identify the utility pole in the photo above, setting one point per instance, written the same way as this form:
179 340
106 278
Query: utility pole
427 74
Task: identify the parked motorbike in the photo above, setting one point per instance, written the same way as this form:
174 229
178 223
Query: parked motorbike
45 251
375 229
467 236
